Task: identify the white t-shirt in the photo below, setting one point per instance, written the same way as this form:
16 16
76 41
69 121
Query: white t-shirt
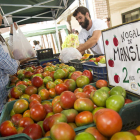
84 35
37 47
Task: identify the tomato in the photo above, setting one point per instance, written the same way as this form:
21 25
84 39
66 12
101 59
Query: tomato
59 74
95 133
58 81
83 104
21 83
46 135
67 99
7 129
57 98
96 109
52 92
46 102
107 42
49 114
70 114
78 90
134 132
57 118
25 121
100 97
46 124
16 92
111 63
26 113
38 75
25 96
48 108
127 101
37 81
81 95
115 102
73 125
75 75
60 88
47 79
13 79
71 69
20 130
108 122
20 106
123 136
46 73
38 112
66 72
35 97
40 123
89 87
32 103
82 81
71 84
84 136
116 78
115 41
84 118
88 74
11 99
52 74
89 91
57 107
62 131
101 83
31 90
28 74
118 90
50 85
15 119
34 131
44 94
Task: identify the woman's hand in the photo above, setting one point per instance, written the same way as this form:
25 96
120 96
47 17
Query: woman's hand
11 28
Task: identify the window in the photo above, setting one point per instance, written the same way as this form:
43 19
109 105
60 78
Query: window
131 15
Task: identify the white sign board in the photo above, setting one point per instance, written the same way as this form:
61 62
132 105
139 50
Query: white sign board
122 50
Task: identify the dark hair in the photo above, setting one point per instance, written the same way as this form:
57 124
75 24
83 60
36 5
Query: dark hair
108 19
83 10
35 42
76 31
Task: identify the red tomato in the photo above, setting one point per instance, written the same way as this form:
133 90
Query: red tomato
88 87
31 90
84 118
46 73
88 91
35 97
46 124
95 133
81 95
25 122
108 122
57 98
67 99
48 108
101 83
15 119
52 74
44 94
11 99
16 92
7 129
32 103
75 75
127 101
28 74
34 131
37 81
78 90
38 112
52 92
57 107
21 83
60 88
62 131
26 113
88 74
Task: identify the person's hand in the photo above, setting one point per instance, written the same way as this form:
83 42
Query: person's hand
11 28
22 61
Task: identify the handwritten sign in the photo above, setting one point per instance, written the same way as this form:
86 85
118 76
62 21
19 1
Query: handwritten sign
122 50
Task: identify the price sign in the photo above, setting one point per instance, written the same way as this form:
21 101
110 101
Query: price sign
122 50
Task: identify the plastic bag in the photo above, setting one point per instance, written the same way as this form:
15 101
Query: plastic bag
69 54
21 47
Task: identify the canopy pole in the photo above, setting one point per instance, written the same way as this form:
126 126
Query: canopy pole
57 37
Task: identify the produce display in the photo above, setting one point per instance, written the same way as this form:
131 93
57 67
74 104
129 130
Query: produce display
56 101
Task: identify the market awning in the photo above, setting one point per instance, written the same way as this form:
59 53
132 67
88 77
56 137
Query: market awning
31 11
39 32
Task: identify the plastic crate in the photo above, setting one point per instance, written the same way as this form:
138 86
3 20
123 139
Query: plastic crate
98 72
8 87
130 113
44 53
51 60
77 64
56 55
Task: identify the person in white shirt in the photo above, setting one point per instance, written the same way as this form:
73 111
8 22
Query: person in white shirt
37 47
90 36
